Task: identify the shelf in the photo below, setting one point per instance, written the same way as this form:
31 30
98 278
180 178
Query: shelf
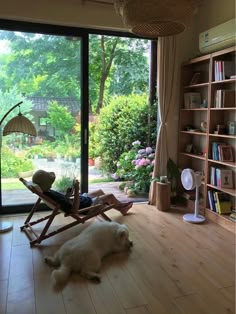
194 109
225 108
207 87
193 132
228 191
224 163
197 85
223 135
224 81
221 220
193 156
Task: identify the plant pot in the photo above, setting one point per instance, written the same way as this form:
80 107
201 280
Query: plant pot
91 162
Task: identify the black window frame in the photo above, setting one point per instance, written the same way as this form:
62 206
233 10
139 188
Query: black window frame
83 33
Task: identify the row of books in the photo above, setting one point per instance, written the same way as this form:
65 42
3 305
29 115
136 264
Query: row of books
222 151
223 70
219 202
224 98
222 178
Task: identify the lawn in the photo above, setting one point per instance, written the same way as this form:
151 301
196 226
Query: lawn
15 184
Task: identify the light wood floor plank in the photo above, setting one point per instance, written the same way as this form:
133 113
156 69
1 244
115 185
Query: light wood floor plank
76 297
138 310
174 268
104 298
5 254
3 295
46 300
21 297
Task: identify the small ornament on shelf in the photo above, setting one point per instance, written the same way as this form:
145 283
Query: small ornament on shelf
221 129
204 104
232 128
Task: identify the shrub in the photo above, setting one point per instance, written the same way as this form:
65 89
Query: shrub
63 183
120 123
13 164
137 166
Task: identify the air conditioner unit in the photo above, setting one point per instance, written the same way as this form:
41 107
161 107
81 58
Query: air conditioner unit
219 37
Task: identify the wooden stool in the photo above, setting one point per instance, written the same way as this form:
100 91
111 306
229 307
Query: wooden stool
163 196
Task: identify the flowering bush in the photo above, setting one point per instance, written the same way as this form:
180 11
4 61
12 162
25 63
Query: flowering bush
137 166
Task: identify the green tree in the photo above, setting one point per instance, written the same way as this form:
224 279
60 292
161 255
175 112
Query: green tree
41 65
119 66
49 65
60 118
9 99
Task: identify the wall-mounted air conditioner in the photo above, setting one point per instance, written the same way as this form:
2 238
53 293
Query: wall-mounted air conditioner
219 37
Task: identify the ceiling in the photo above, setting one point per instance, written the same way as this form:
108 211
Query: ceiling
108 2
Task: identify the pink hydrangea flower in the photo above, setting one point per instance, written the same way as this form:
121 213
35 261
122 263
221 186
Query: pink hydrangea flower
148 150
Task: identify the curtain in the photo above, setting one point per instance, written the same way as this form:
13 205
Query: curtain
166 63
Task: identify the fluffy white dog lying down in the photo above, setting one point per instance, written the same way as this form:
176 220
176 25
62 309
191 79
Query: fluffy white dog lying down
83 254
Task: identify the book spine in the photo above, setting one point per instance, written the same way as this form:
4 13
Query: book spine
211 201
215 202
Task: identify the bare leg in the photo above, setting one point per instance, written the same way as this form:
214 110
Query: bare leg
122 207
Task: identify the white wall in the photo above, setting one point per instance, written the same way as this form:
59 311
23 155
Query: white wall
62 12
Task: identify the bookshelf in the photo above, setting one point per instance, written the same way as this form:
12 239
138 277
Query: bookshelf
208 115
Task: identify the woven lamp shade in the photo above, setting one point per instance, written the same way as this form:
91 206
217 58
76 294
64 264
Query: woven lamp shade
20 124
155 18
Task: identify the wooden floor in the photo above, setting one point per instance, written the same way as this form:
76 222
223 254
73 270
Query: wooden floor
174 268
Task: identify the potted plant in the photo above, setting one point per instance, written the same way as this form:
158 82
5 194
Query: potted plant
173 174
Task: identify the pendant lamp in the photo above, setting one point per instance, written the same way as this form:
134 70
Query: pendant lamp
155 18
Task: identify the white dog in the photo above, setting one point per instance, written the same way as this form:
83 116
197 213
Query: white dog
83 254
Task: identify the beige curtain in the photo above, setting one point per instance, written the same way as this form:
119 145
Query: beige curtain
166 63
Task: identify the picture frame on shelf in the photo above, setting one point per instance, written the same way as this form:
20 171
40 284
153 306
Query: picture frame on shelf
226 178
189 148
226 153
195 78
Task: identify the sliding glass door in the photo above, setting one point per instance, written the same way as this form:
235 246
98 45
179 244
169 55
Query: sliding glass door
86 92
43 71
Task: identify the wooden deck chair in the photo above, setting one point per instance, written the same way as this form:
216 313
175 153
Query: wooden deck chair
79 216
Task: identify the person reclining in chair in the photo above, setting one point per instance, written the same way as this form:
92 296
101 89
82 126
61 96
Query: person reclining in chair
46 179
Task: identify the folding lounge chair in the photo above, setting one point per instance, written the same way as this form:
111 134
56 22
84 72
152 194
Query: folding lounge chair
79 216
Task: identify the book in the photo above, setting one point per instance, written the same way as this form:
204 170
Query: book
223 202
213 175
215 201
224 98
215 151
223 69
225 153
211 201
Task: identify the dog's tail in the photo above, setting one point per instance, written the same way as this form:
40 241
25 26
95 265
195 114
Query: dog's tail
59 276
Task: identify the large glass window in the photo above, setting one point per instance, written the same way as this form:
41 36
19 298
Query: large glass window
44 72
88 97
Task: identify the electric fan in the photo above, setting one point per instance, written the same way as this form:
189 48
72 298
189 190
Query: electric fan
192 180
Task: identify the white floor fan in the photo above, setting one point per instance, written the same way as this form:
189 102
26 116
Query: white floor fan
192 180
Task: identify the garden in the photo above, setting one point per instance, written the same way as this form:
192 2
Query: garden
118 137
